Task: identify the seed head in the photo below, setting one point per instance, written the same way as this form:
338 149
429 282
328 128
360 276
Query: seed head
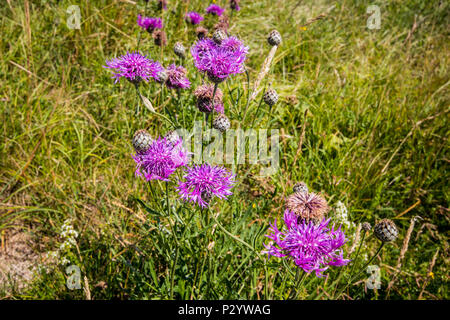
270 97
274 38
366 226
385 230
221 123
307 206
300 187
141 140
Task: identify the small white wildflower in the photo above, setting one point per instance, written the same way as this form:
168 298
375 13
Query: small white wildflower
64 261
341 215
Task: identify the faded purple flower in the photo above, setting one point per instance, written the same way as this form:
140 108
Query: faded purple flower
162 4
149 23
134 67
234 5
204 95
176 77
203 182
214 9
311 247
307 205
219 61
194 17
161 159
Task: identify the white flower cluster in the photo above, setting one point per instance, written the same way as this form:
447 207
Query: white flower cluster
69 235
58 257
341 216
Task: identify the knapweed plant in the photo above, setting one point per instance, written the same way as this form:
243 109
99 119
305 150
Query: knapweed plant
195 192
228 149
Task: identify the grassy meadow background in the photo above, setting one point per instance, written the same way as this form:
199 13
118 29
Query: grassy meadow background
363 118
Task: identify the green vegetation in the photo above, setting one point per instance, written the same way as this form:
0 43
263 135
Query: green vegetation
363 118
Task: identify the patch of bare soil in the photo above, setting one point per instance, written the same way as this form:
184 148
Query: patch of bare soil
18 260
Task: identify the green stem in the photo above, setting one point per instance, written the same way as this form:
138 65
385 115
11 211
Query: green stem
361 270
357 253
172 228
248 95
257 110
157 113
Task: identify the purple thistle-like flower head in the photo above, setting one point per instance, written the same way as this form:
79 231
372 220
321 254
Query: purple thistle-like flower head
149 23
161 159
311 247
203 182
176 77
134 67
194 17
219 61
214 9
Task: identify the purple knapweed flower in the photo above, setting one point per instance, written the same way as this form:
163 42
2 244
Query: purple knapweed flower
214 9
311 247
203 182
176 77
161 159
134 67
194 17
149 23
219 61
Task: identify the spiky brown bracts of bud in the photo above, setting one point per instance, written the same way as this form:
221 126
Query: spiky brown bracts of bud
179 49
386 230
218 36
300 187
204 94
221 123
307 206
216 79
161 77
201 32
270 97
366 226
172 136
141 140
274 38
160 38
223 24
